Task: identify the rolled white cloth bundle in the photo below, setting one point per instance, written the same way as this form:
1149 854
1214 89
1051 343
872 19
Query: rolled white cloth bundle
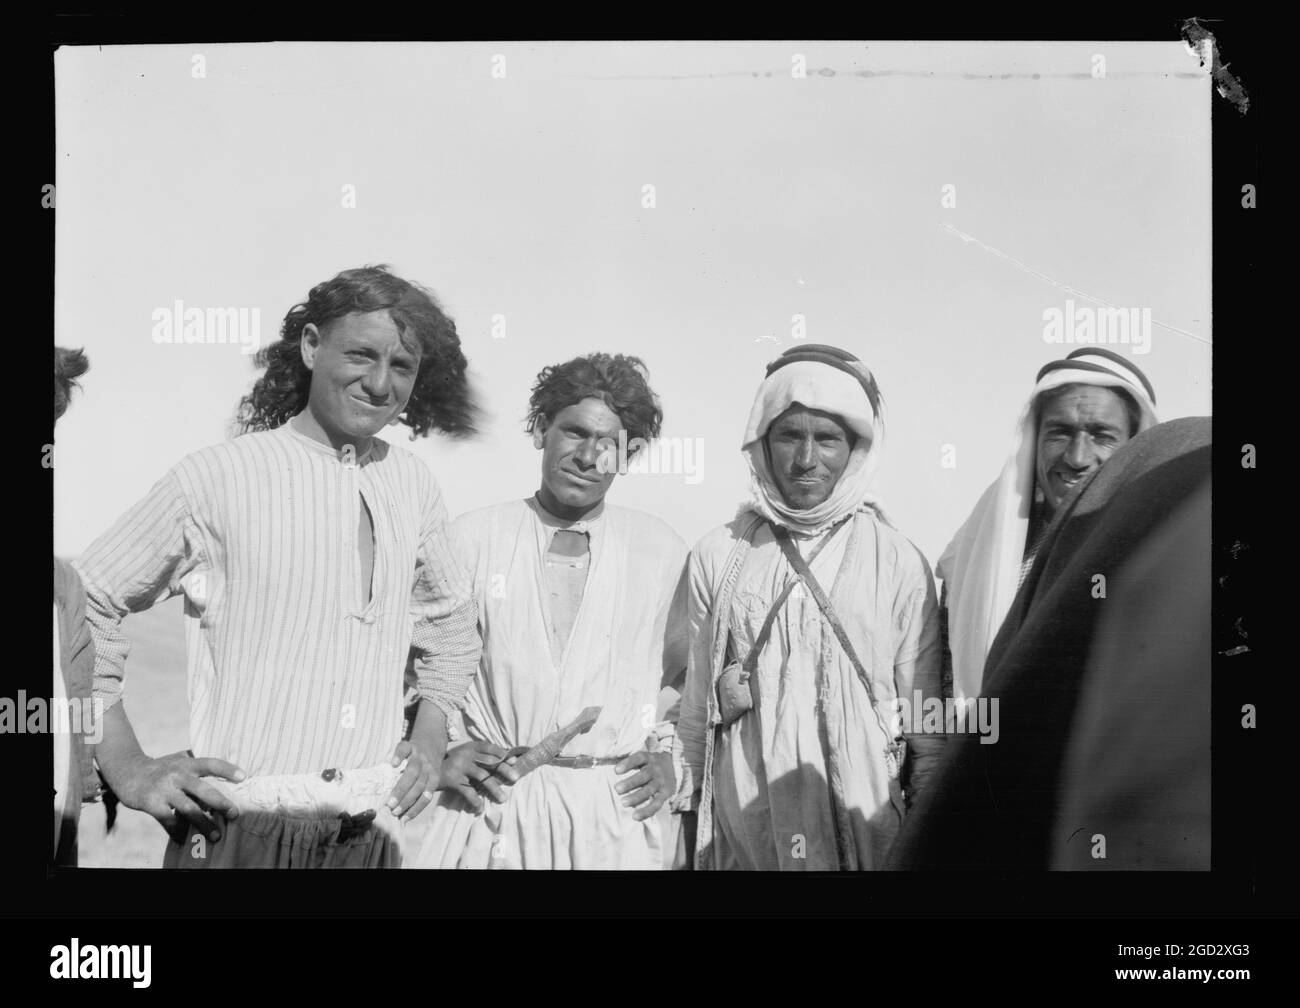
325 795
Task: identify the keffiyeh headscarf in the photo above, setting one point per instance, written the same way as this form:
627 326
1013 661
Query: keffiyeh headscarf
833 381
981 566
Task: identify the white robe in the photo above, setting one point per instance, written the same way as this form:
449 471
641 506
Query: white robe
619 649
763 786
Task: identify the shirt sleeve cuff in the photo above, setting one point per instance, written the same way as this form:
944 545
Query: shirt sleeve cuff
448 705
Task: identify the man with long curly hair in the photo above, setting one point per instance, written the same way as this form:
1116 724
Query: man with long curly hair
574 597
312 556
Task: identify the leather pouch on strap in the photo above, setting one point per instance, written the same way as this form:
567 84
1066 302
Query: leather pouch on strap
734 696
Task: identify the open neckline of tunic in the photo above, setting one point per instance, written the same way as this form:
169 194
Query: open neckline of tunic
320 448
593 526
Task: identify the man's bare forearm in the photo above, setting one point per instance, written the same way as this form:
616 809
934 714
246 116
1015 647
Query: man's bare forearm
429 731
118 752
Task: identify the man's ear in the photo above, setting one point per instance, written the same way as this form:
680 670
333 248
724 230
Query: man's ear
539 432
309 343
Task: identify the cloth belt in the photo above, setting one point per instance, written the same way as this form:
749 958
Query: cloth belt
585 762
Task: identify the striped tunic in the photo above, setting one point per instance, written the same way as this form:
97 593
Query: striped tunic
291 669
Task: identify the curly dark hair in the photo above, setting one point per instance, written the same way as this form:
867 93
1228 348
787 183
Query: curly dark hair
442 399
620 381
69 365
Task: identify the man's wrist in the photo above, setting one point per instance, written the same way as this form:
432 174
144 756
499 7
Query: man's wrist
121 772
429 732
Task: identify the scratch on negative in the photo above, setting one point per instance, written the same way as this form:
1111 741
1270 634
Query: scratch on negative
926 74
1061 286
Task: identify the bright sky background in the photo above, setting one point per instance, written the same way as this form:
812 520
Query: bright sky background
522 197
